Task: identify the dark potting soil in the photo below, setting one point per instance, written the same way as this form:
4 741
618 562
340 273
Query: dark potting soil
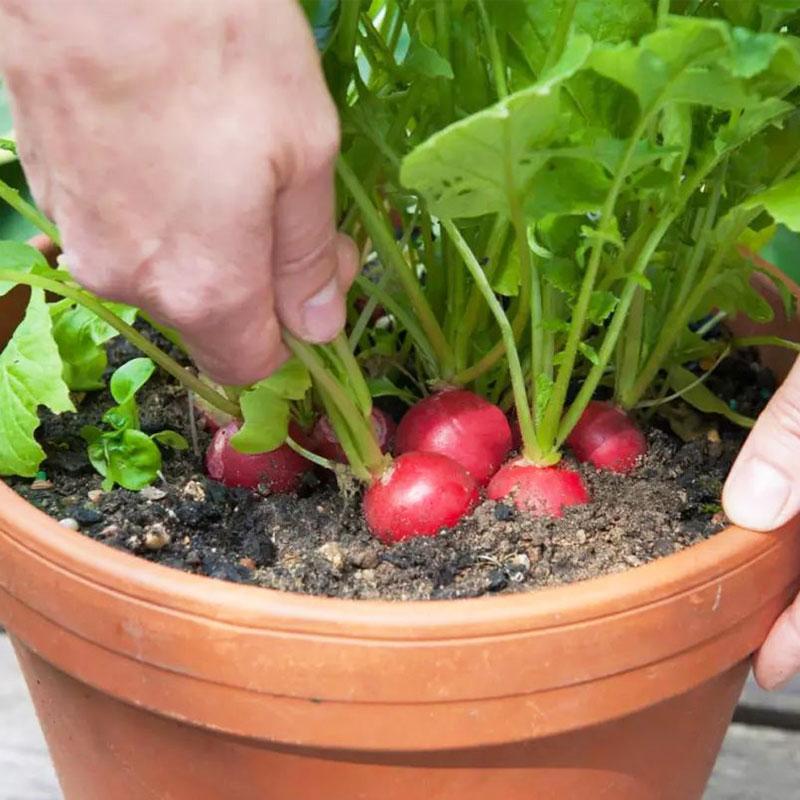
318 543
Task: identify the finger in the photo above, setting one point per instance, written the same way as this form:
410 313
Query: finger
347 259
779 658
308 278
763 490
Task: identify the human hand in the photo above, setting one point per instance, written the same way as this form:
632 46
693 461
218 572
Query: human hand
185 150
763 493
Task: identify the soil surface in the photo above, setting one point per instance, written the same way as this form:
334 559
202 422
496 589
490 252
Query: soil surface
319 544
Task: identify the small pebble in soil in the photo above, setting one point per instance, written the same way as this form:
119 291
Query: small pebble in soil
70 523
41 485
498 579
152 493
229 572
95 495
87 516
333 553
156 537
503 512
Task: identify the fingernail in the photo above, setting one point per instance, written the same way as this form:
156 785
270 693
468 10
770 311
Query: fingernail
323 314
756 494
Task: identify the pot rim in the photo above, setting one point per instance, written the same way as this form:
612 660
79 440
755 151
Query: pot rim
200 596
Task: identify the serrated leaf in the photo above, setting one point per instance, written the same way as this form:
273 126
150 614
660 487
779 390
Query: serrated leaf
30 377
601 306
702 398
266 420
562 273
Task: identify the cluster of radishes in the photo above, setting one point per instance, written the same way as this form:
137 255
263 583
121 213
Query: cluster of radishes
448 447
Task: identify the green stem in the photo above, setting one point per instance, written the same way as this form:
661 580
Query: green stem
555 406
368 449
386 246
354 375
631 346
560 35
498 67
472 312
314 458
530 445
151 350
765 341
29 212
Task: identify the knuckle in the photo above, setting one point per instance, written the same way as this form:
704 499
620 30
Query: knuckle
319 148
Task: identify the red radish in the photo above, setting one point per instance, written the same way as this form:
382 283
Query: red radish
539 491
461 425
607 437
279 471
325 443
418 495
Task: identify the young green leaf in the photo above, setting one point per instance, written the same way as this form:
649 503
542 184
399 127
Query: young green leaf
170 439
129 458
424 61
702 398
22 258
30 376
266 420
781 201
129 378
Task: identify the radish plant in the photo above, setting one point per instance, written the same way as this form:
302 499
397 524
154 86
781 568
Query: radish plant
557 203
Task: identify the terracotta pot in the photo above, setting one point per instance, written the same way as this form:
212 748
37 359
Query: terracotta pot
153 684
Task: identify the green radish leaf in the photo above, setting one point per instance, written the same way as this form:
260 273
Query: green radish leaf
290 381
129 378
383 387
170 439
9 145
589 352
781 201
130 458
266 420
601 306
702 398
30 376
80 336
22 258
475 166
506 280
424 61
567 186
562 273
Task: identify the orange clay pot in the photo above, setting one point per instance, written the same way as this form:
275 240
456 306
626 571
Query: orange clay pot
153 684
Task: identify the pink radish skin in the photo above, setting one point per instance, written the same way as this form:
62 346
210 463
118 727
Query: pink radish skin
325 443
419 495
279 471
538 491
607 437
461 425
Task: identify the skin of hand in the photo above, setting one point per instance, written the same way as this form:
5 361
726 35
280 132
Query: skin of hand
763 493
185 150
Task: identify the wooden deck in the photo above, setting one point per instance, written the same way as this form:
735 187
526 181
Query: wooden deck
760 759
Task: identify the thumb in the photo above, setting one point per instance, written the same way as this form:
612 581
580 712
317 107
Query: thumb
313 265
763 489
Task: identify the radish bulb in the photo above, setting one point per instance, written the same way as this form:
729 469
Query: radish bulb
461 425
418 495
278 471
608 438
538 491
